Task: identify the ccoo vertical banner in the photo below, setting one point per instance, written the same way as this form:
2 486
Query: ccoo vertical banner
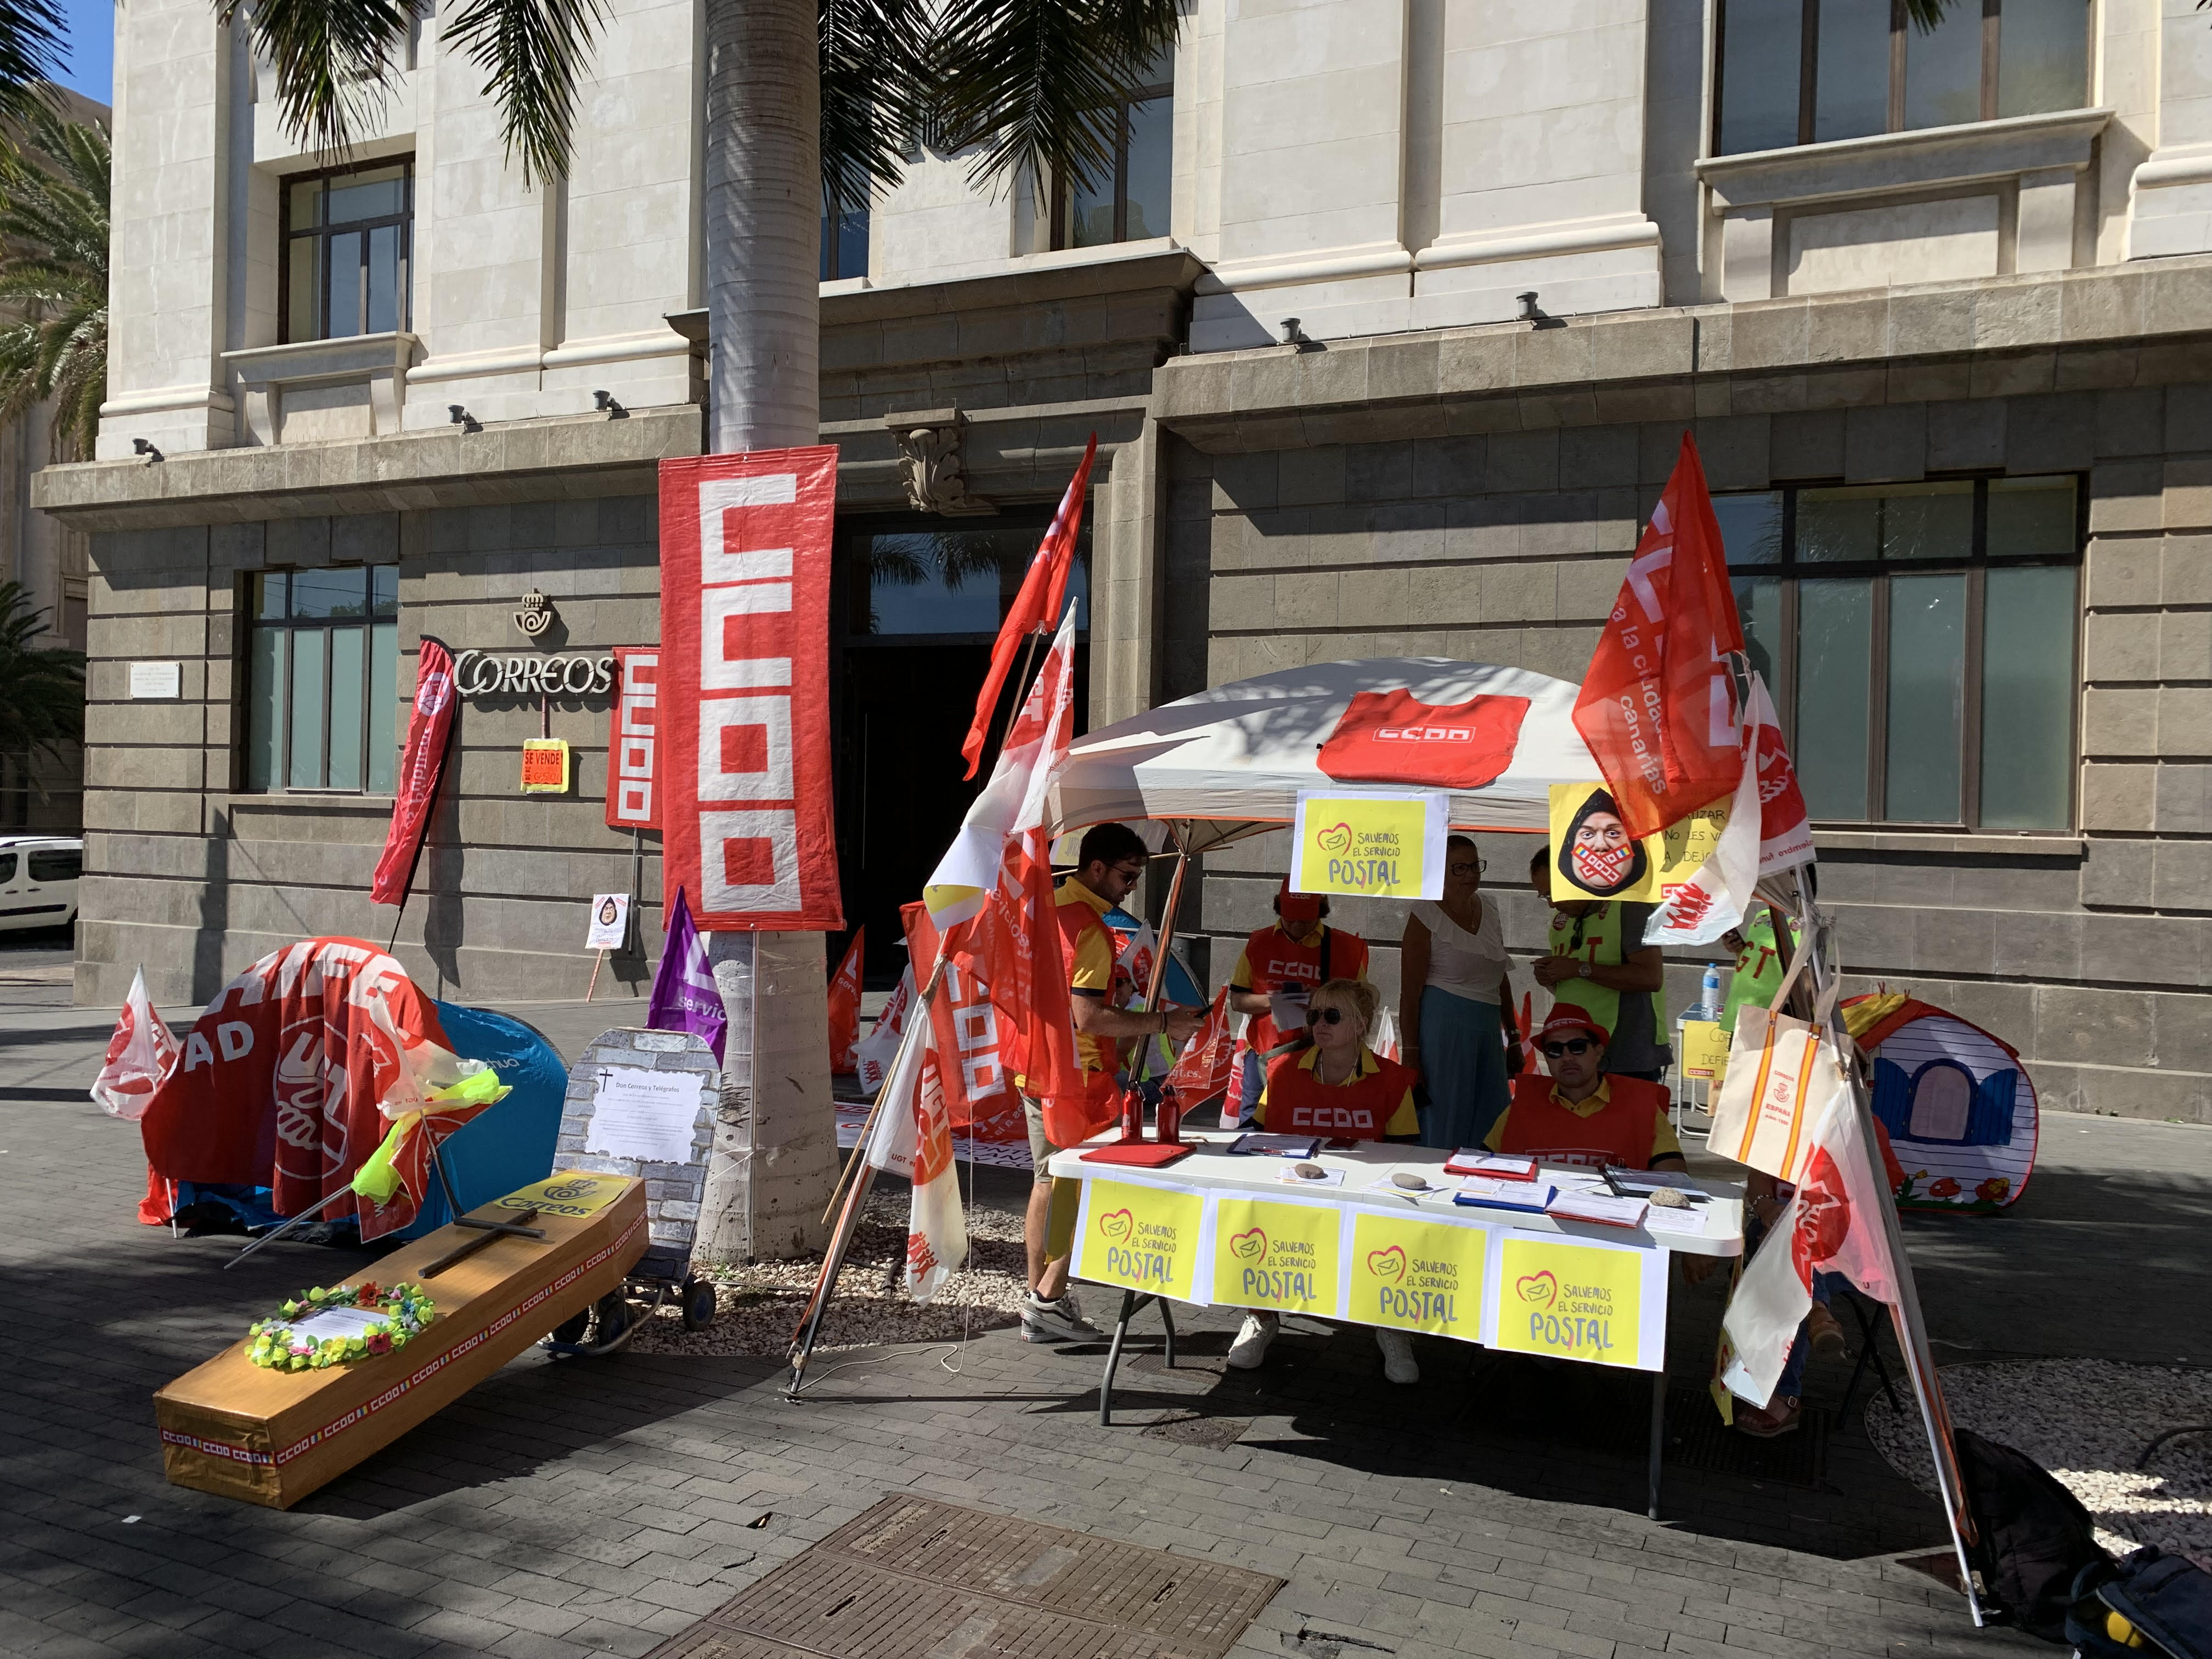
744 605
633 740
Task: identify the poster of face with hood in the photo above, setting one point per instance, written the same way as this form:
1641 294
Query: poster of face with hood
1593 855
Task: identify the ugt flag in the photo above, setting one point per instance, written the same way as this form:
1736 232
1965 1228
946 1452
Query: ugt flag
429 735
1658 706
684 995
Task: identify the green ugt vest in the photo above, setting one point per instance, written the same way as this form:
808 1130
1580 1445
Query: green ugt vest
1758 974
1595 938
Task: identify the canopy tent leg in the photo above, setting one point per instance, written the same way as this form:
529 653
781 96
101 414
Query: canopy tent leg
1130 1302
1658 1440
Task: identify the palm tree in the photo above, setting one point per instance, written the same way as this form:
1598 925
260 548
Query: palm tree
41 691
54 277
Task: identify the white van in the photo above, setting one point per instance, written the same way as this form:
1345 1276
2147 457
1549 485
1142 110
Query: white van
38 880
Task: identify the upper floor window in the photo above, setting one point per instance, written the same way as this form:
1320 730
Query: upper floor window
1919 642
322 660
844 241
1806 71
346 251
1131 203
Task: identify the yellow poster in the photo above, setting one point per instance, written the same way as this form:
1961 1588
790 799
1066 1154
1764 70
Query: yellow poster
568 1192
1276 1255
1417 1275
1370 844
1684 846
546 766
1142 1239
1577 1301
1593 855
1704 1049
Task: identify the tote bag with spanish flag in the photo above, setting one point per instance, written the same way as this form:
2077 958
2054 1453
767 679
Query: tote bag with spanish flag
1782 1073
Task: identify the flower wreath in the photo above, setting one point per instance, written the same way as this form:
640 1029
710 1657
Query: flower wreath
276 1346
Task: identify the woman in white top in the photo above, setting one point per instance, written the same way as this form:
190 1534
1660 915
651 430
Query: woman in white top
1456 1005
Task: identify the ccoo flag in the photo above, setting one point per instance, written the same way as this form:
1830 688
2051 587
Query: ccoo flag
1658 706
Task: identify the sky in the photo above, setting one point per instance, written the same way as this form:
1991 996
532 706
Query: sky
88 64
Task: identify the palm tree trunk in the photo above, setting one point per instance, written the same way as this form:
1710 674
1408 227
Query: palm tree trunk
775 1146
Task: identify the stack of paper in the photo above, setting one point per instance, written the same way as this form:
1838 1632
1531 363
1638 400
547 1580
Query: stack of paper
1536 1195
1497 1166
1601 1208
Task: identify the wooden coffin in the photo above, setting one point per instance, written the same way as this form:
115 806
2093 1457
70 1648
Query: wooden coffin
271 1437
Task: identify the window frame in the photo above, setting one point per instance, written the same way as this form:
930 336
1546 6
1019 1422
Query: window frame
404 219
1063 199
1975 566
291 627
1808 69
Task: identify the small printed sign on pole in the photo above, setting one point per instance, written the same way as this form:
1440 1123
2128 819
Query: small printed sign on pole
610 921
1371 843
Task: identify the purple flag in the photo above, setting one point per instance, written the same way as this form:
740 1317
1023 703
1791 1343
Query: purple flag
684 996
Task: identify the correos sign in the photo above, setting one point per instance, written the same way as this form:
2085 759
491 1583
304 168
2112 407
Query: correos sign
484 673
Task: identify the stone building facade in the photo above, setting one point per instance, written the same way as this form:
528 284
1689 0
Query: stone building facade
1943 332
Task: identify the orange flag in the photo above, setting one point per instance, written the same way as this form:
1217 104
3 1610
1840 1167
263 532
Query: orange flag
1036 608
1658 707
845 1005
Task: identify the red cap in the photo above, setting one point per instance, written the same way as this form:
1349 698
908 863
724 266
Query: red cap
1296 907
1566 1018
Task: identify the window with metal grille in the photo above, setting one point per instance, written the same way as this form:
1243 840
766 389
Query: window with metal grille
1920 643
322 662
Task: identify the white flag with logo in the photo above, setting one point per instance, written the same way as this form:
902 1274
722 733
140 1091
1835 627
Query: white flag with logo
913 1138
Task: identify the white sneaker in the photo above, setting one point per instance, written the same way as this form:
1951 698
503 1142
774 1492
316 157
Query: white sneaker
1250 1346
1055 1322
1398 1362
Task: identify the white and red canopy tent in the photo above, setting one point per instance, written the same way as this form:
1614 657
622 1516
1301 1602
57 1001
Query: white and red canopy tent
1229 762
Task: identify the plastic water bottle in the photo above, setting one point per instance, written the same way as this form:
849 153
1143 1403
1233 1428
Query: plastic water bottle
1709 997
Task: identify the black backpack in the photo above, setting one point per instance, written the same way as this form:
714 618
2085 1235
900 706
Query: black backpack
2166 1602
2036 1538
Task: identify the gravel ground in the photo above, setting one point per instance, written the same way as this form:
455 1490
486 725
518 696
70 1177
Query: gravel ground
760 1305
2087 1421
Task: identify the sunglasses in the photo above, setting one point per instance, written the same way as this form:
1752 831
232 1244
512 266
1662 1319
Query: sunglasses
1328 1016
1572 1046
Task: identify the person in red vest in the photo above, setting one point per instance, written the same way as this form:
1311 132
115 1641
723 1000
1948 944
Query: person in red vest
1109 865
1341 1089
1580 1114
1282 964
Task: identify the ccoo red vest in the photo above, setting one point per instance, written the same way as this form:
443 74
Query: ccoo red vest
1072 1123
1279 962
1298 1103
1619 1133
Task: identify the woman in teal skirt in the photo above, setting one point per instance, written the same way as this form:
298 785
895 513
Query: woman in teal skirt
1456 1004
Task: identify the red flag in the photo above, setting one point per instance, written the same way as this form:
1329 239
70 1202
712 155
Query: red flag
964 1024
1785 837
1658 707
429 734
410 1141
633 740
1036 608
1204 1067
845 1005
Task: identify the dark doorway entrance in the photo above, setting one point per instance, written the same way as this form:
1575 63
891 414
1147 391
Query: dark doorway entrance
919 601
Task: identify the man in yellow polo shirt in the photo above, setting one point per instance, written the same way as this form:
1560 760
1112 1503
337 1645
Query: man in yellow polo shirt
1109 864
1580 1114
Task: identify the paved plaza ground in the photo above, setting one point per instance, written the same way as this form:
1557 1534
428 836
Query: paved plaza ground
598 1507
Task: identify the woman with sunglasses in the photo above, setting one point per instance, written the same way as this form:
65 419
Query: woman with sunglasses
1343 1090
1581 1114
1455 1000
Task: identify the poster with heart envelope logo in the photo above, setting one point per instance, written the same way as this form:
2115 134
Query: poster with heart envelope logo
1417 1275
1279 1255
1140 1236
1604 1304
1370 843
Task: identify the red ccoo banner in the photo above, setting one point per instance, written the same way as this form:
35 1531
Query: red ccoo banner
429 734
633 740
745 808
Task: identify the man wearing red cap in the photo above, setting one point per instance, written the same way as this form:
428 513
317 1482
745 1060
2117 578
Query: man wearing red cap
1579 1113
1282 965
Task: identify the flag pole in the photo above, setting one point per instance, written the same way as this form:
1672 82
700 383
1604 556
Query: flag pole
919 1012
1904 1312
1166 942
1021 686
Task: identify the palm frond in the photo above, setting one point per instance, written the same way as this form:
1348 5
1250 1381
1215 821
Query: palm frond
30 54
1037 82
41 687
876 80
54 277
1927 14
334 61
532 53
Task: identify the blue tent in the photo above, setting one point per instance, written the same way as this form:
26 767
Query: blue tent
509 1145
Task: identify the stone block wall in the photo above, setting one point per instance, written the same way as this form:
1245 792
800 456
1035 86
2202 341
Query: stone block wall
1489 517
